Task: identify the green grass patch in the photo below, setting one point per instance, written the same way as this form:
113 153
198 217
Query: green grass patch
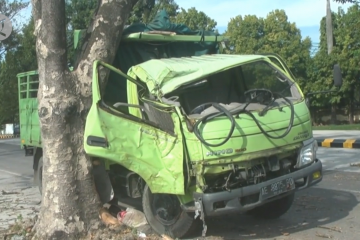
338 127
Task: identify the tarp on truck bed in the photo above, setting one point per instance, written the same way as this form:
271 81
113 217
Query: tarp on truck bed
131 53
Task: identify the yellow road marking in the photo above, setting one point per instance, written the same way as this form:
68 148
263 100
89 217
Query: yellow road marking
327 142
349 143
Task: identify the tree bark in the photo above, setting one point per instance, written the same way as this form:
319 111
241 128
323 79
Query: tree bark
333 114
351 107
70 203
313 116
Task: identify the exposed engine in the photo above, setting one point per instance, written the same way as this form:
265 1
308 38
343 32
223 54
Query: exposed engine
236 178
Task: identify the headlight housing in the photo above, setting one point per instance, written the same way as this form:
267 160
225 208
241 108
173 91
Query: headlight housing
307 153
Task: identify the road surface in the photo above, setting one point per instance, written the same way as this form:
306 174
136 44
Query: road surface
13 160
329 210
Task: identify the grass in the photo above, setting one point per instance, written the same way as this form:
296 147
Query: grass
338 127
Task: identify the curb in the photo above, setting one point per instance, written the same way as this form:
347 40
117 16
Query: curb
338 143
5 136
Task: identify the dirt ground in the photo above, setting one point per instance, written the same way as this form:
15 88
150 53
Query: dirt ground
329 210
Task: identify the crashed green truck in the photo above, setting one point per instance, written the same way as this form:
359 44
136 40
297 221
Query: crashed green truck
190 132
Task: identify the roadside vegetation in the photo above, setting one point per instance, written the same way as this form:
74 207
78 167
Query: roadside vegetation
248 34
338 127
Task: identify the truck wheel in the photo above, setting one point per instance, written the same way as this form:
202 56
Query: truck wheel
165 215
39 173
273 210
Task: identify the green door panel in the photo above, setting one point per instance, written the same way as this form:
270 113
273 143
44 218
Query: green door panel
155 155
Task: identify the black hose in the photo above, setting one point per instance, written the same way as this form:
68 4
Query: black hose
230 116
260 127
222 111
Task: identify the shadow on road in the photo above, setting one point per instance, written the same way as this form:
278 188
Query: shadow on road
10 182
312 207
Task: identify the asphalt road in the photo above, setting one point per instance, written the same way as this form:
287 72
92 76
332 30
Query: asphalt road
329 210
342 134
13 160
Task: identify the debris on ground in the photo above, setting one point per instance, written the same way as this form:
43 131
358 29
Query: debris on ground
17 203
323 235
8 193
165 237
20 230
107 218
132 218
335 229
355 164
142 235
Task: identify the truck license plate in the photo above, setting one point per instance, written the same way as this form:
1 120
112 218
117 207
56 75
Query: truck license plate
277 188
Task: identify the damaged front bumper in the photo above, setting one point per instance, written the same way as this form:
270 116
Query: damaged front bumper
249 197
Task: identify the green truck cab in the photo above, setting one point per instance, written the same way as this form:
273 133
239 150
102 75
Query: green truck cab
190 132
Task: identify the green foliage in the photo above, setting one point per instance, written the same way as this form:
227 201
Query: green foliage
251 35
17 60
11 9
144 11
79 14
338 127
346 1
195 20
346 52
21 54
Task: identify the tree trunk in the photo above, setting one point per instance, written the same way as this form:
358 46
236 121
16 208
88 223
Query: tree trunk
70 203
313 116
351 108
333 114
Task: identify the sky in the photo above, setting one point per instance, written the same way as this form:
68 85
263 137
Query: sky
305 13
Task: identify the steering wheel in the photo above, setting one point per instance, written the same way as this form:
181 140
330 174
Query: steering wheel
262 96
198 109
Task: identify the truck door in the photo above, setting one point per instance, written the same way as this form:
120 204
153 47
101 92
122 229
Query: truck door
140 145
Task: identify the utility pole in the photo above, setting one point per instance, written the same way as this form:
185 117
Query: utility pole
329 28
330 45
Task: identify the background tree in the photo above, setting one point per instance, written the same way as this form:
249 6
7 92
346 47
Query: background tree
79 15
19 59
145 10
21 56
11 9
195 20
70 204
346 53
250 34
347 1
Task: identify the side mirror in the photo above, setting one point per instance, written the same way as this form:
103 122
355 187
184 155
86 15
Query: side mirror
337 76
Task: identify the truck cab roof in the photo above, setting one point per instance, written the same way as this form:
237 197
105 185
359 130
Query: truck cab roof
168 74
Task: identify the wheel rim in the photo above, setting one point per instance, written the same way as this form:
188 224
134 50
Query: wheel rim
166 208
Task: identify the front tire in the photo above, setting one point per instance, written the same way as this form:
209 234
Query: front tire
165 215
273 210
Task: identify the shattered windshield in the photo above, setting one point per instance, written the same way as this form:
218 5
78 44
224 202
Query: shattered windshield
230 86
263 75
